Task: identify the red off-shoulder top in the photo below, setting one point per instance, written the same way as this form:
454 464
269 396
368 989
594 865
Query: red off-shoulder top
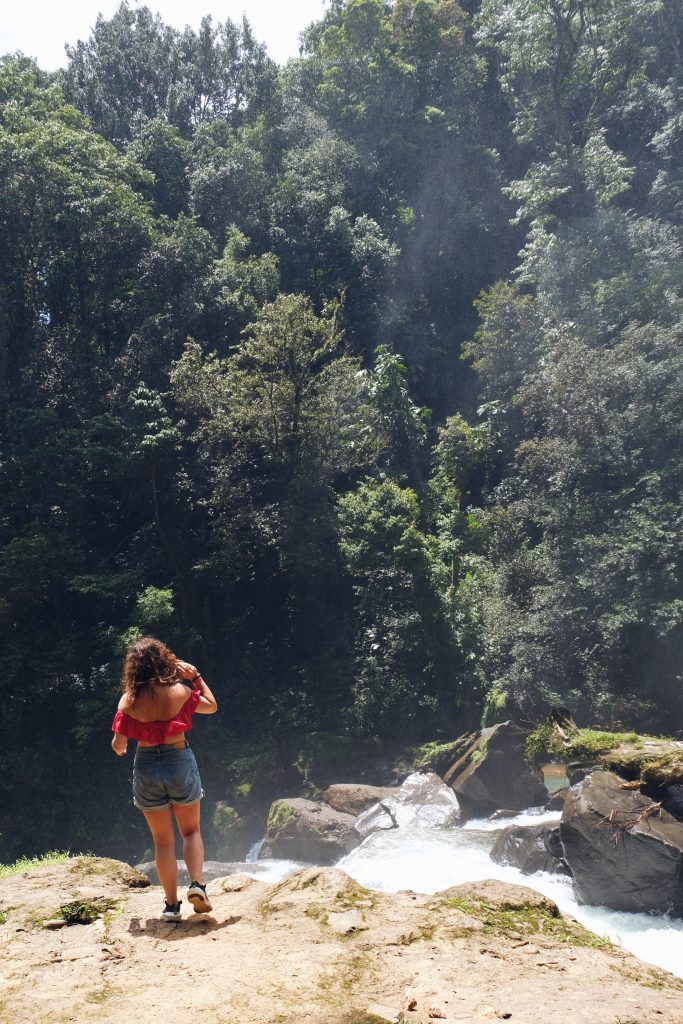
157 732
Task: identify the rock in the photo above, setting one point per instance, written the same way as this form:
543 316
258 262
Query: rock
347 922
495 895
672 799
54 923
375 819
556 802
106 870
493 773
530 848
314 892
350 798
423 801
504 812
237 883
303 830
624 851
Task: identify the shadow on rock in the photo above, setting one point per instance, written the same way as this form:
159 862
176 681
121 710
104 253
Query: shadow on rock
173 930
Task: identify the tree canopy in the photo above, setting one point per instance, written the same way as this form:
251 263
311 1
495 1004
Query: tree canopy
358 380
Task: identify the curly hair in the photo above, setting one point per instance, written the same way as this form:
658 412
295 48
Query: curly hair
148 663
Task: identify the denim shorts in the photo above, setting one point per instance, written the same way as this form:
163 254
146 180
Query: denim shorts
165 775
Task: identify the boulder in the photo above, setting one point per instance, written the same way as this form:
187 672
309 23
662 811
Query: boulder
423 801
556 801
376 819
530 848
624 850
493 773
672 799
354 798
299 829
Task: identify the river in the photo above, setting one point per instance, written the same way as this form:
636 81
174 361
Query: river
428 860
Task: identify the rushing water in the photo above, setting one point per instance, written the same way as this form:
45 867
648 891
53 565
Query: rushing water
428 860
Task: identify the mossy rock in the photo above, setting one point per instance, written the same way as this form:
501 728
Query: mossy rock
655 761
225 818
511 909
438 757
116 870
85 911
279 817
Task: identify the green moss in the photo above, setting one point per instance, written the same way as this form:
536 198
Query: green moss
85 911
653 768
243 792
224 817
543 742
117 870
279 817
337 987
101 995
32 863
529 920
3 916
422 933
587 746
649 977
654 761
664 771
589 743
495 708
438 757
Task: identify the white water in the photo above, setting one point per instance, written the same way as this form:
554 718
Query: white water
428 860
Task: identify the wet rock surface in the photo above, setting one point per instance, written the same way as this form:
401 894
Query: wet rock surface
423 801
493 773
530 848
624 849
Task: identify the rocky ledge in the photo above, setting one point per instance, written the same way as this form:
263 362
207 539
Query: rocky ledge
316 947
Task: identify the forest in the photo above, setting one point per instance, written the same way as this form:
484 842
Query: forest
356 380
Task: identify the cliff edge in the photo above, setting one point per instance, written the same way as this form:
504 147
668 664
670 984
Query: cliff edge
316 947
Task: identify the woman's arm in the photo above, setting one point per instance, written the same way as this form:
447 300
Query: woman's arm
119 744
207 702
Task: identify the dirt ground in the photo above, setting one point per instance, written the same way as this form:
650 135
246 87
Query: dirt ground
316 947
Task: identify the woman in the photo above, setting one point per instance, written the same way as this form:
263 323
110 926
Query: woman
156 710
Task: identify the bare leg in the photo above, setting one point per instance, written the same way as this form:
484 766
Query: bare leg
193 845
161 826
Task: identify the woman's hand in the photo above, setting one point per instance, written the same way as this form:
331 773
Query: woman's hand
186 670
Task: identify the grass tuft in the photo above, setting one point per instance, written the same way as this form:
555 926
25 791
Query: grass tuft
32 863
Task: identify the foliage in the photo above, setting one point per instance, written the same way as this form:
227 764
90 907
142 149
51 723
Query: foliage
207 432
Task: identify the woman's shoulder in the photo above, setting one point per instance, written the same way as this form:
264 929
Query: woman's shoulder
126 703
